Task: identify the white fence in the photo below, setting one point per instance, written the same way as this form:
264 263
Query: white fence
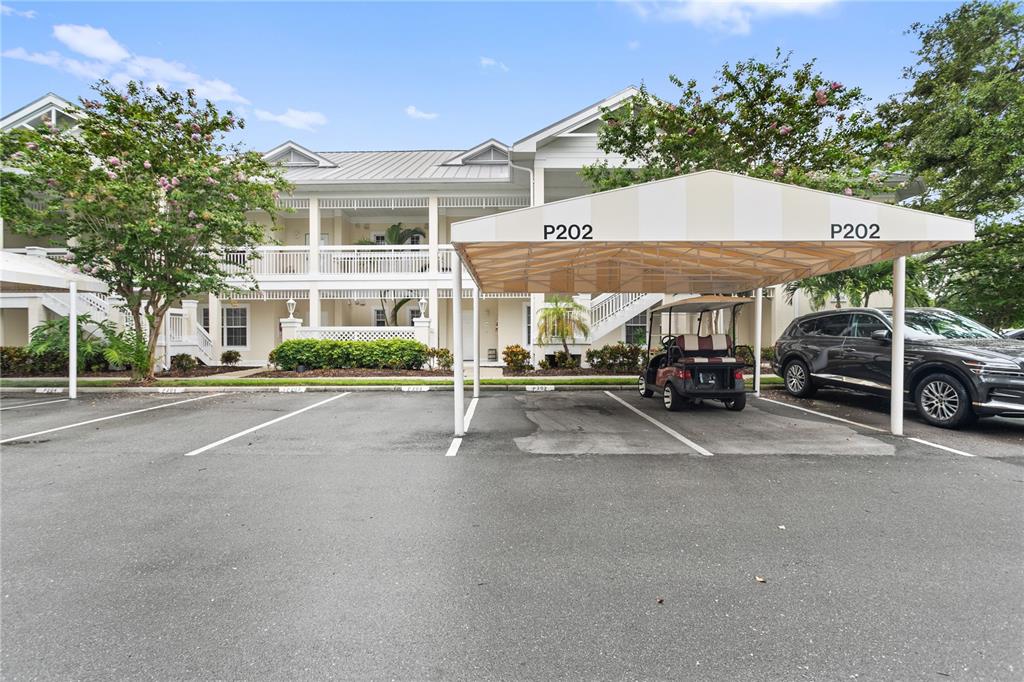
374 260
357 333
272 260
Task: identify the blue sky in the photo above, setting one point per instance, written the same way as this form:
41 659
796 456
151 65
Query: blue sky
336 76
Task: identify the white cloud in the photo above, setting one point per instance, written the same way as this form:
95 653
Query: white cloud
412 112
728 16
95 43
9 11
633 45
292 118
45 58
489 63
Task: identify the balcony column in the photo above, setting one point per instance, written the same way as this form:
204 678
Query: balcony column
536 300
314 239
433 239
191 321
314 306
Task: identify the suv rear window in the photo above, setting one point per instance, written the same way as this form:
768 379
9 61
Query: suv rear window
865 324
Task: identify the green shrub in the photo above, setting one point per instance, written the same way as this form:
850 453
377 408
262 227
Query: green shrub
768 353
564 360
183 362
517 358
619 357
331 354
48 343
230 358
745 354
15 360
441 358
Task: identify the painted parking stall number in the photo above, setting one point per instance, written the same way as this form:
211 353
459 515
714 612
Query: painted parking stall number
540 389
291 389
167 389
49 390
855 231
572 232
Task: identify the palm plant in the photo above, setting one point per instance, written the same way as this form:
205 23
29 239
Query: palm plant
395 235
562 319
858 285
51 337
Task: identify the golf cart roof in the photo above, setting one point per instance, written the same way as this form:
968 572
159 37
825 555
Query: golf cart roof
701 304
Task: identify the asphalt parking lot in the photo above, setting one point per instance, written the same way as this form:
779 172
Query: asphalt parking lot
312 535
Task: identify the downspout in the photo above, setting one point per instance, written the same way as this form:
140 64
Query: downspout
522 168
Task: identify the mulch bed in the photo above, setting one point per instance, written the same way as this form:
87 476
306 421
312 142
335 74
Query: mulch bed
566 373
327 373
127 373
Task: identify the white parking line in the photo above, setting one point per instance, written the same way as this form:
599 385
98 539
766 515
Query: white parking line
822 414
469 414
675 434
41 402
453 449
113 416
922 441
203 449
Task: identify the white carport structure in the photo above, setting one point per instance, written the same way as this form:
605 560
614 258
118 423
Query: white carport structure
708 232
36 274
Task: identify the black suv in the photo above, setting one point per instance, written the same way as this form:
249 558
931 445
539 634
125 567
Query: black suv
956 369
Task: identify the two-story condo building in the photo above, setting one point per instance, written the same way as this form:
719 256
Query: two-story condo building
330 260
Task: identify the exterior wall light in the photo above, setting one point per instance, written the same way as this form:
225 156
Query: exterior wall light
291 308
423 307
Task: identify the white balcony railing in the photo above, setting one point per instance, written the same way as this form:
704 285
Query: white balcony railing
444 259
374 260
270 260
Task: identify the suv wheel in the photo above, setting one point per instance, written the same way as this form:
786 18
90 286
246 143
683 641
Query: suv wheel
943 401
798 379
641 385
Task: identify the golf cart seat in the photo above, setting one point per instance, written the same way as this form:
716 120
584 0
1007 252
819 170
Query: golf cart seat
714 348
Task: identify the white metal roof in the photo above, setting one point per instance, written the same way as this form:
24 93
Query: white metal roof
704 232
21 273
395 166
701 304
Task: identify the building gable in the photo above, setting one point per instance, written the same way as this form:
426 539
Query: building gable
292 155
49 107
490 152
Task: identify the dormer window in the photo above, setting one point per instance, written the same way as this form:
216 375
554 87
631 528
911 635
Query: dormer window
489 155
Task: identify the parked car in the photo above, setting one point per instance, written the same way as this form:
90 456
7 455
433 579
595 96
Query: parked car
1014 334
956 369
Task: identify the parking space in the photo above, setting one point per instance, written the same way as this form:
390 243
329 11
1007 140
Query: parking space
570 532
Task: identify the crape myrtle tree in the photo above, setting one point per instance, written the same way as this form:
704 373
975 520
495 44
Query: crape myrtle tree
960 126
146 191
764 119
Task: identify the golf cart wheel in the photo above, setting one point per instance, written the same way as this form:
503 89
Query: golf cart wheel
641 386
943 401
798 379
736 404
671 399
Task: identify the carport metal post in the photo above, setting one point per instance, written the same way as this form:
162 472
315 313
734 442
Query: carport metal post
758 309
459 370
476 341
899 288
72 339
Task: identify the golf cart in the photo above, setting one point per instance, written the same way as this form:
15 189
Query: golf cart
694 367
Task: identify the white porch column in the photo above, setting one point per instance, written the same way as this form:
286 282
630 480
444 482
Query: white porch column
758 311
290 327
191 321
458 370
314 237
421 329
538 185
899 272
213 306
314 306
72 339
476 341
433 232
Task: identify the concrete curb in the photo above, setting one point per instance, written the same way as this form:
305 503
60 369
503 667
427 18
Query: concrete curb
307 389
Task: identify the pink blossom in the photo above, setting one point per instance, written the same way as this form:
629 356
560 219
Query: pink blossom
112 175
230 120
779 171
690 131
196 128
196 137
888 145
175 182
820 98
671 107
113 161
147 165
211 181
841 117
192 215
785 130
32 145
51 182
836 85
240 176
17 155
200 226
178 126
233 196
773 125
848 192
209 137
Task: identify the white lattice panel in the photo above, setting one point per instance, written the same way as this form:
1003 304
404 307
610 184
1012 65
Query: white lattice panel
357 333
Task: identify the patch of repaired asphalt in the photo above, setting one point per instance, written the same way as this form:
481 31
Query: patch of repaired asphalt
590 424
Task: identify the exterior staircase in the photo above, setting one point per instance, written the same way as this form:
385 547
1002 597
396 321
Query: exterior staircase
609 311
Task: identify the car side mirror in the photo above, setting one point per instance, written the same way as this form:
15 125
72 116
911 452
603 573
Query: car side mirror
882 335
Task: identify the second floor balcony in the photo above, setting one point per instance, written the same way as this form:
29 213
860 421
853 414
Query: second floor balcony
343 262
